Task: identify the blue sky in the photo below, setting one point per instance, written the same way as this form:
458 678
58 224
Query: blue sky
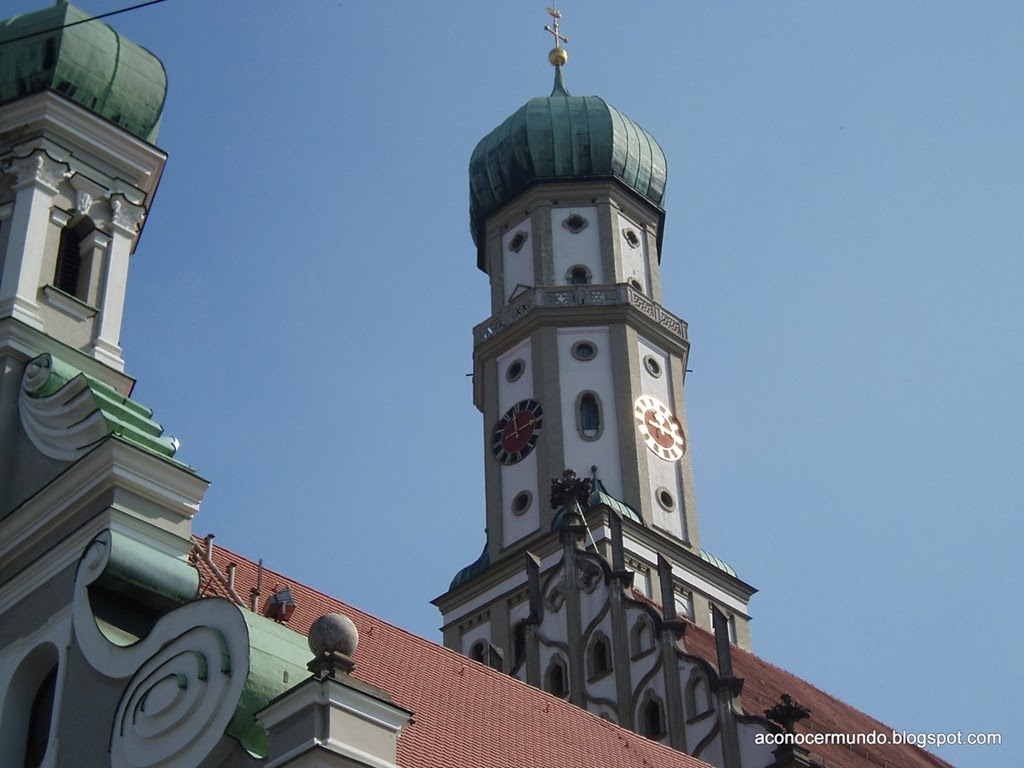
844 237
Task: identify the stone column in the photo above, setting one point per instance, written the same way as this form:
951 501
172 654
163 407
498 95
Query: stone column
125 220
37 177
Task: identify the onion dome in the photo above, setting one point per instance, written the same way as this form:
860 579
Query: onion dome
561 138
88 63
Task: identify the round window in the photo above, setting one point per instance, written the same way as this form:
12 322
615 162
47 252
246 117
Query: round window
521 502
652 365
515 370
665 499
584 350
635 285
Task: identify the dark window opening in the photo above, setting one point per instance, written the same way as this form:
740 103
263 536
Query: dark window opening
39 721
579 276
518 642
555 682
478 653
68 274
652 721
600 658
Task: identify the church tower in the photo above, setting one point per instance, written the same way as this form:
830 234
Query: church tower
79 112
579 367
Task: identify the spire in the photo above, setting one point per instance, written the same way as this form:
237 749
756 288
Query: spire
559 88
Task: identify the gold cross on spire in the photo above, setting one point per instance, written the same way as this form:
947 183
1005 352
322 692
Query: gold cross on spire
558 55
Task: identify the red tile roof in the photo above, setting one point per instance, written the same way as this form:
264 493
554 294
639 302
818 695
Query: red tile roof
764 683
466 714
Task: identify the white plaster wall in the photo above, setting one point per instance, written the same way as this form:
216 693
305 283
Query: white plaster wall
479 632
570 249
642 581
594 375
698 730
591 604
634 260
523 475
712 753
603 711
603 687
519 612
661 473
639 668
750 752
517 268
57 634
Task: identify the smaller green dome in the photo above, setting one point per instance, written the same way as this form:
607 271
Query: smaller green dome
559 138
475 568
88 63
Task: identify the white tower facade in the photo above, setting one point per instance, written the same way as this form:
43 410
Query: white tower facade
581 367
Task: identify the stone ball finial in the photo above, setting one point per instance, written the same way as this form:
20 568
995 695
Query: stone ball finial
333 633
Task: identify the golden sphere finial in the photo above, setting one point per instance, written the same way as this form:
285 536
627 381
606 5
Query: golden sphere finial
558 56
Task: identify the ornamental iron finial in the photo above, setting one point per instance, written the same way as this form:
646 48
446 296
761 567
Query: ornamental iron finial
571 490
787 712
558 55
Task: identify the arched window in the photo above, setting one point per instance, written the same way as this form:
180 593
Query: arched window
39 720
696 696
578 275
556 680
641 637
652 718
599 657
28 708
478 652
589 413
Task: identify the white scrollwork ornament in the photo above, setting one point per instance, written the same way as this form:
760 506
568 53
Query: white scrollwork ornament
184 678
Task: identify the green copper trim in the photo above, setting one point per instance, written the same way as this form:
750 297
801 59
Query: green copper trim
559 138
147 575
721 565
600 496
122 416
277 663
88 63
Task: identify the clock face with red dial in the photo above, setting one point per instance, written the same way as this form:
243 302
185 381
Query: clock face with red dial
662 432
517 432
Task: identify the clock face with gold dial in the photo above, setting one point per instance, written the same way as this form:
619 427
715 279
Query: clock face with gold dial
661 431
517 432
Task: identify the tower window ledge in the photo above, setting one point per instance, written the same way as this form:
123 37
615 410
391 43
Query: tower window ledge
70 305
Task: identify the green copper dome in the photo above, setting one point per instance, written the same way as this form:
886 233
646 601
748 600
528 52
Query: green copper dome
88 63
559 138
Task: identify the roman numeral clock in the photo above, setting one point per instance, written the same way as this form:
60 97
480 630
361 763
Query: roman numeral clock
660 429
517 432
